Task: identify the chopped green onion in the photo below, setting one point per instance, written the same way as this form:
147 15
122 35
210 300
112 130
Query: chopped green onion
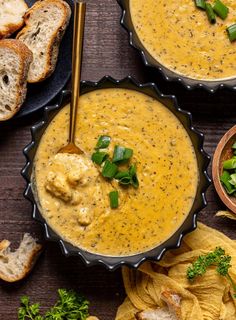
200 4
114 199
121 154
123 177
122 174
132 170
125 180
135 182
109 170
225 177
103 142
229 164
220 9
210 13
134 178
233 179
234 146
232 32
99 157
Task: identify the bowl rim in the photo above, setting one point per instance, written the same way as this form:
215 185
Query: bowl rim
188 225
210 86
225 198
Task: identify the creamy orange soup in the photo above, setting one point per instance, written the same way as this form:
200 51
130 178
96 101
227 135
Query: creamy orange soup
180 37
73 196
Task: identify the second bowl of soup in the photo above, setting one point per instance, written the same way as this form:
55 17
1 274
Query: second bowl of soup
178 39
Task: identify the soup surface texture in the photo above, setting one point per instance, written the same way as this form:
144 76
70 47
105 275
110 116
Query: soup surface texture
180 37
73 196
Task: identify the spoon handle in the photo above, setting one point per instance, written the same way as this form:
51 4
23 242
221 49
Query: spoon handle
79 19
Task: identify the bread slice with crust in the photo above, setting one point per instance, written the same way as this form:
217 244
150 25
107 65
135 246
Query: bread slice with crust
157 314
46 23
171 312
15 59
11 16
14 266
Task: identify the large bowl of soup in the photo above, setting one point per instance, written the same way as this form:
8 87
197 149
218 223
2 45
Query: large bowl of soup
70 195
177 39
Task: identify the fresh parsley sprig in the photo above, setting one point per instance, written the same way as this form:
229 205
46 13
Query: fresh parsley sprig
216 258
70 306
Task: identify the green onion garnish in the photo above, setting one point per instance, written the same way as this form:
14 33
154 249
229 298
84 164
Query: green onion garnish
220 9
123 177
114 199
134 178
233 179
122 174
225 178
232 32
109 170
132 170
128 177
234 146
229 164
103 142
210 13
200 4
121 154
99 157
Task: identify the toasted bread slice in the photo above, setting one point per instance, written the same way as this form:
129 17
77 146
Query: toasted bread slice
11 16
46 23
16 265
15 59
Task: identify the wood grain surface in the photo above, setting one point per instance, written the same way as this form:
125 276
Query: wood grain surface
106 52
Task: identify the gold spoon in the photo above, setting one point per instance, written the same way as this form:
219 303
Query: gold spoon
79 19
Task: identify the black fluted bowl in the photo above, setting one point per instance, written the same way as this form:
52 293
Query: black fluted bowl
169 75
203 160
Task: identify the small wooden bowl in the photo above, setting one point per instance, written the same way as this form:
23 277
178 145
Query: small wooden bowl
222 153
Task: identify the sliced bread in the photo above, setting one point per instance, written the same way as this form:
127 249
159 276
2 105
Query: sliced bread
15 59
157 314
171 312
16 265
11 16
46 23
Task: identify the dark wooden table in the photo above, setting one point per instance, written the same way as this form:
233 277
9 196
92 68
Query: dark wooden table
106 52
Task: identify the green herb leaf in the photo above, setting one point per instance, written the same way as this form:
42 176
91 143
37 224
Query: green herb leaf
114 199
99 157
220 9
232 32
70 306
103 142
216 258
121 154
201 4
229 164
225 178
27 311
234 146
210 13
109 170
